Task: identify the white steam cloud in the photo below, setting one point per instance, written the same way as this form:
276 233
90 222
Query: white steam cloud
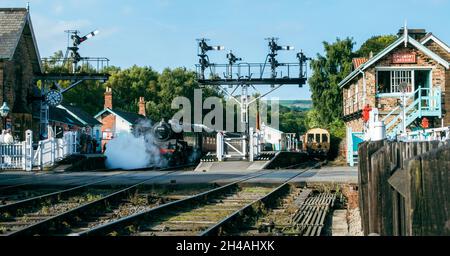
133 151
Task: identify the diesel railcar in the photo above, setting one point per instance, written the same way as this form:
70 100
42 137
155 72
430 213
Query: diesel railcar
316 142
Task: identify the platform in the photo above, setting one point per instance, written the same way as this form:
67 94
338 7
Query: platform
323 175
231 166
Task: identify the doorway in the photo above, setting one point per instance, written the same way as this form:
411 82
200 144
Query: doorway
422 80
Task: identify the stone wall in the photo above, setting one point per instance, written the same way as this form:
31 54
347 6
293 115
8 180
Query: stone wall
16 77
446 96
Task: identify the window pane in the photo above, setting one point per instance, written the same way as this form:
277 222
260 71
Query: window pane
400 76
324 138
384 81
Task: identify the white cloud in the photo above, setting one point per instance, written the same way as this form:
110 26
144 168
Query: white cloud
58 8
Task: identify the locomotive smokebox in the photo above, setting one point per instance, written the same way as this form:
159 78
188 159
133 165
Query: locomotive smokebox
165 131
162 131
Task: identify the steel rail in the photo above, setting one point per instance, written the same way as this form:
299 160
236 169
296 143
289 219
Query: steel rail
40 227
13 207
232 219
143 216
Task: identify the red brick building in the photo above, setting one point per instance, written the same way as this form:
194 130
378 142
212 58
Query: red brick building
416 59
115 121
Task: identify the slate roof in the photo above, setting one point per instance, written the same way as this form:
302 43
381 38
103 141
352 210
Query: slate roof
58 115
81 115
131 118
12 22
62 116
15 22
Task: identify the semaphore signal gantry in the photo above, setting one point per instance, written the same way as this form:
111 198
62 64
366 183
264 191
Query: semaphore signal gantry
237 74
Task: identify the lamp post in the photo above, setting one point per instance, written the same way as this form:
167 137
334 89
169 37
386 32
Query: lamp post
4 111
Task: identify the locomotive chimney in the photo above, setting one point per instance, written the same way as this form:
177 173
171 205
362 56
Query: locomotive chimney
142 106
108 98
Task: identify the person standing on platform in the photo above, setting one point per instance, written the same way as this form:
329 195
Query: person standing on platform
8 138
83 142
2 137
89 143
94 145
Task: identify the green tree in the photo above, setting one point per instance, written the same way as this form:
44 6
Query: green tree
312 119
130 84
328 71
292 121
375 45
174 83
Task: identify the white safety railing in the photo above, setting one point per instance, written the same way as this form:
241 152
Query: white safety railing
435 134
11 156
23 156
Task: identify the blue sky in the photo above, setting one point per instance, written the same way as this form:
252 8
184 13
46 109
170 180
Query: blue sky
162 33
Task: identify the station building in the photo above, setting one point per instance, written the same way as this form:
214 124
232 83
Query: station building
20 63
413 69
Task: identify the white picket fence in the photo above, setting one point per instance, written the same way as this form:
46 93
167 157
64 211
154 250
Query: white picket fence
22 156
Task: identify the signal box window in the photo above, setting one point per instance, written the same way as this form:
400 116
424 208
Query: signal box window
389 81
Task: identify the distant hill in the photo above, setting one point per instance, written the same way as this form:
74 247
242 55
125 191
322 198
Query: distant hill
297 104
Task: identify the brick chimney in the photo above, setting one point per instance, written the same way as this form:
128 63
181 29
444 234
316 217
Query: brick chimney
142 106
108 98
417 34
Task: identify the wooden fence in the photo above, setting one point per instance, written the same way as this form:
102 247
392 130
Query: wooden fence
404 188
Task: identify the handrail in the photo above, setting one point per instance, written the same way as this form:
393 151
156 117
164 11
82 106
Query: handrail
410 95
416 109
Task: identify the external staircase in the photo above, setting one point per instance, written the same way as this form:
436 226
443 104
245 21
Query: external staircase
424 102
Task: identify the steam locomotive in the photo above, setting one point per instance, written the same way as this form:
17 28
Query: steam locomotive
177 146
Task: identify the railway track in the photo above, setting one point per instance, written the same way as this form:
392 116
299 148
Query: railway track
13 193
302 212
26 216
21 192
207 213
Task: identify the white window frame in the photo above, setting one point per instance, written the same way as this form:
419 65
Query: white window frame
399 76
404 68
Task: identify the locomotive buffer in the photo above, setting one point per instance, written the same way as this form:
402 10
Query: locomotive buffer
242 76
